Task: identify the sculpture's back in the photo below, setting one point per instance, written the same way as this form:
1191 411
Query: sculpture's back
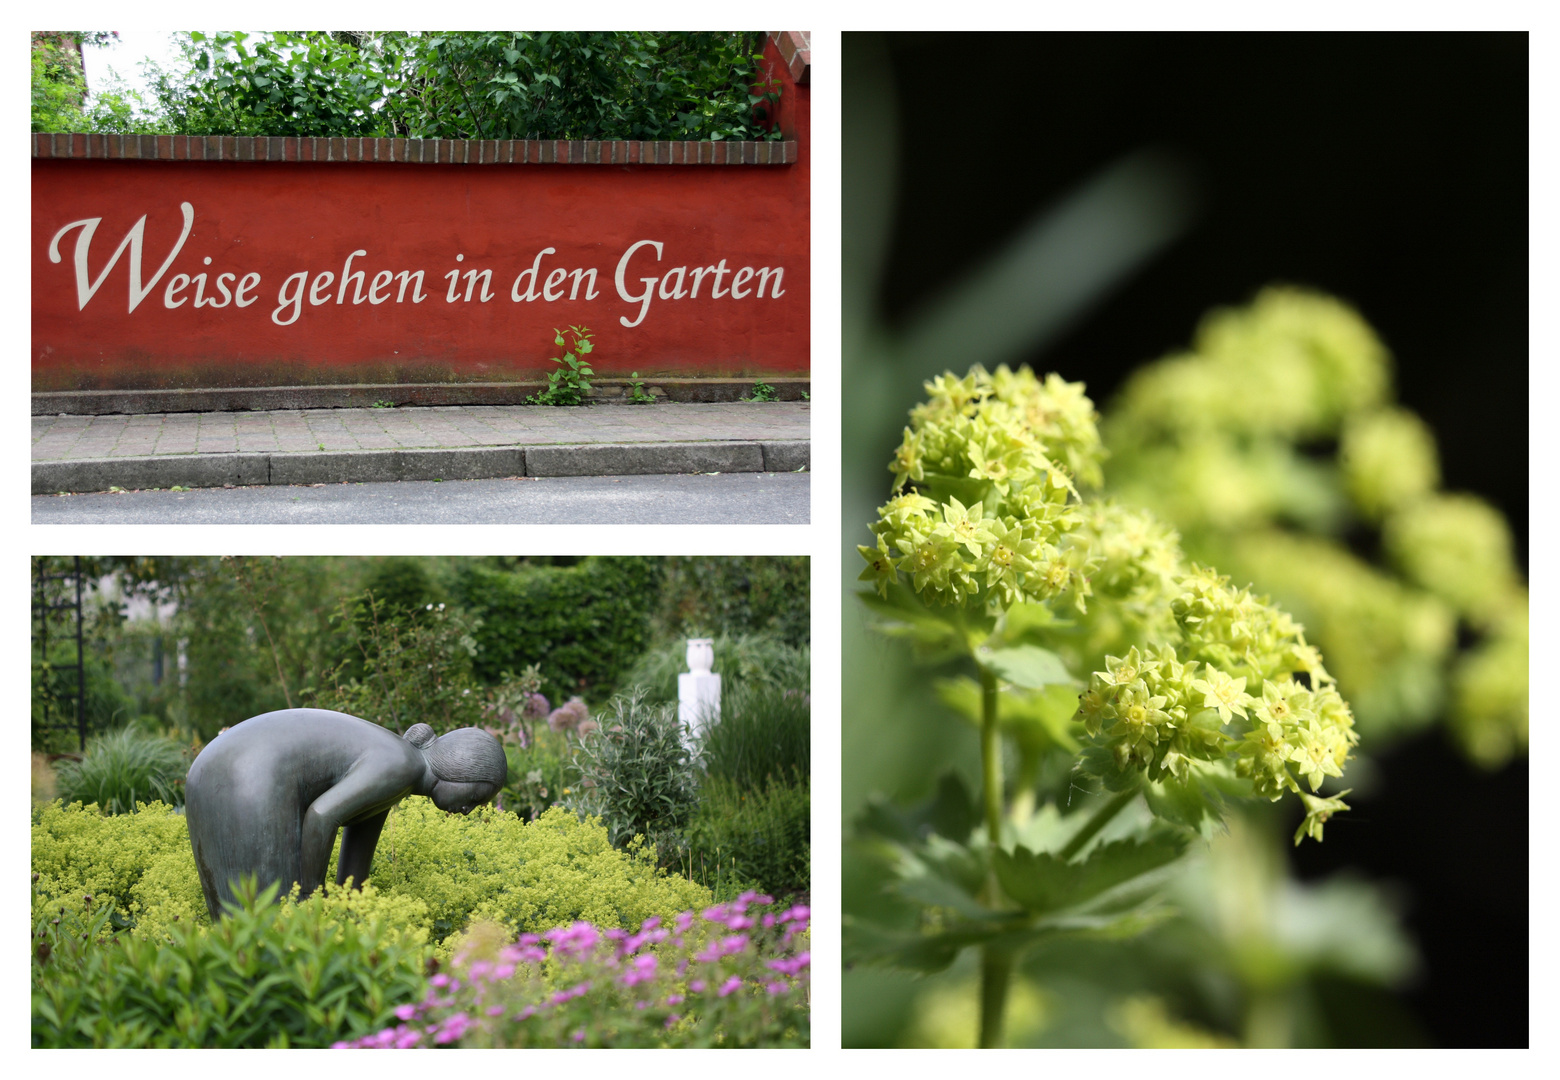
249 793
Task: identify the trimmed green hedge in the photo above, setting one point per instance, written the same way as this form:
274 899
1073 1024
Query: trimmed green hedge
583 624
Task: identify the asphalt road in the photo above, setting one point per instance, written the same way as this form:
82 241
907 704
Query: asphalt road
725 498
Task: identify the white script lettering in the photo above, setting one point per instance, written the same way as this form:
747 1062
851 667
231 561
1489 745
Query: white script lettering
86 288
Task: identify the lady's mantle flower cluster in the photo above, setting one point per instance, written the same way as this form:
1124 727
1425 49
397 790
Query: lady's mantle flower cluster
986 514
993 460
726 976
1232 665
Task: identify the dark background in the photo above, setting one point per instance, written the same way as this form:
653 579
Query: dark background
1388 170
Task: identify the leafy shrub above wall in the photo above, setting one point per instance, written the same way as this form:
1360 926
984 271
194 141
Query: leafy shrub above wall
583 624
462 84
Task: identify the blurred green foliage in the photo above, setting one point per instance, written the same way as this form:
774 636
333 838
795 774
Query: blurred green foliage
751 660
54 686
408 665
764 734
754 835
540 774
199 643
1274 446
736 596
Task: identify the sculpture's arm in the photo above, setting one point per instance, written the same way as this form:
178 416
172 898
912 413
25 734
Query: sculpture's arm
357 848
356 794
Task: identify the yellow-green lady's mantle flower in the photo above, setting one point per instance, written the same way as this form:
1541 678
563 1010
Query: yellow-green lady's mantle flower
881 566
1189 702
994 460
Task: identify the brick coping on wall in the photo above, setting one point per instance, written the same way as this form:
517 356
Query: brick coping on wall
251 148
796 50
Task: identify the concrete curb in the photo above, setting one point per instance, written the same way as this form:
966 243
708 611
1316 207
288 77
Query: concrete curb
605 391
464 463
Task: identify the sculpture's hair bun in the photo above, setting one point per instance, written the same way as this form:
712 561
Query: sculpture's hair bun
419 735
469 756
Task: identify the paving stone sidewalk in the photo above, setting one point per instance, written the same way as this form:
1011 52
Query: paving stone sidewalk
83 453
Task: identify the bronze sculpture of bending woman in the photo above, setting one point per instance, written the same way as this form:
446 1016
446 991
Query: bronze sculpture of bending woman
267 796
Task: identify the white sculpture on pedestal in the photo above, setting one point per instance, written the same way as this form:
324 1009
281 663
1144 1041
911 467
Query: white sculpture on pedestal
698 689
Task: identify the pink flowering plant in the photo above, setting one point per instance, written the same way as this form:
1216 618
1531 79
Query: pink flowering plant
734 975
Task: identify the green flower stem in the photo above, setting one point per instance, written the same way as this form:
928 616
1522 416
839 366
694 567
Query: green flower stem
1100 819
990 756
996 964
996 972
1269 1022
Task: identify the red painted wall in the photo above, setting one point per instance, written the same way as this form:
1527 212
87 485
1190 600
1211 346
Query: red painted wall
278 220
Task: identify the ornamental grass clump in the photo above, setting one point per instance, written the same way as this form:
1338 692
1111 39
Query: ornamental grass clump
1097 650
761 734
125 767
720 978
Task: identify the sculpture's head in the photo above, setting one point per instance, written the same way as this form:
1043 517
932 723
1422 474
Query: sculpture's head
468 765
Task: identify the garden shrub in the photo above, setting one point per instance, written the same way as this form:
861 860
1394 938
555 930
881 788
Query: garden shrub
433 872
755 660
639 775
256 634
582 623
757 834
540 775
465 85
529 876
267 975
401 585
54 696
139 862
405 667
124 767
